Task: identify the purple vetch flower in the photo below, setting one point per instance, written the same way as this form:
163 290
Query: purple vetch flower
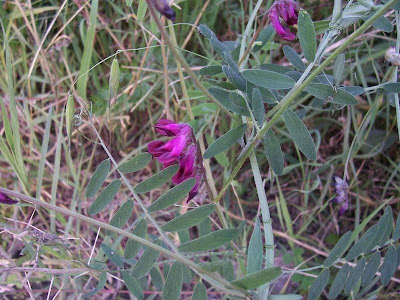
341 188
5 199
163 8
182 150
287 10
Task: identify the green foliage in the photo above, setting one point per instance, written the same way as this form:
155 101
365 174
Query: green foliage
256 279
319 285
122 216
209 241
273 152
306 34
299 133
173 283
189 219
225 141
98 178
157 180
132 247
105 197
136 163
174 195
132 284
255 250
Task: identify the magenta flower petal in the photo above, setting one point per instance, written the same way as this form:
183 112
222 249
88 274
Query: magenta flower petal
186 166
168 128
5 199
283 32
287 10
154 148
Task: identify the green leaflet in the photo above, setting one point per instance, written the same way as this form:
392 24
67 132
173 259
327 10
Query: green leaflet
268 79
306 34
354 276
338 68
300 134
173 283
136 163
146 262
209 241
157 180
98 178
255 251
362 244
337 251
112 255
105 197
156 278
141 11
389 265
122 216
258 106
174 195
319 285
189 219
100 285
293 58
200 292
339 282
132 284
257 279
223 97
273 152
371 268
211 70
132 247
225 141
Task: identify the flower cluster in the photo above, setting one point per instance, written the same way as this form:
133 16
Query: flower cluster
5 199
287 10
164 9
341 188
182 150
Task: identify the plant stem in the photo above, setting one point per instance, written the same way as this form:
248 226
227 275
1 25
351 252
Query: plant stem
263 291
182 60
266 219
297 89
220 282
396 68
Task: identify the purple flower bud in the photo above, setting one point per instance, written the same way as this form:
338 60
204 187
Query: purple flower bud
341 189
164 9
5 199
287 10
182 150
169 128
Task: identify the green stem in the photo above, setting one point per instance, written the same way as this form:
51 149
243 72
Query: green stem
182 60
298 88
222 283
263 291
396 68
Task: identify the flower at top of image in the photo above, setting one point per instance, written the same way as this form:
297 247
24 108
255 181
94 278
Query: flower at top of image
341 188
5 199
287 10
163 8
182 150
